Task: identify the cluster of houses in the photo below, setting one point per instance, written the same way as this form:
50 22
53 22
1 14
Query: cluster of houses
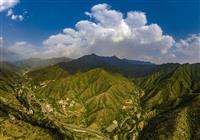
67 103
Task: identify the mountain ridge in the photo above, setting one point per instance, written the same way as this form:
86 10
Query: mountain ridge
127 67
36 63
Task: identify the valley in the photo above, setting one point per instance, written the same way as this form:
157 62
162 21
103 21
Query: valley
100 101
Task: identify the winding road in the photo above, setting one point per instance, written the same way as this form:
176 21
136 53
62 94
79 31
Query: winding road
51 118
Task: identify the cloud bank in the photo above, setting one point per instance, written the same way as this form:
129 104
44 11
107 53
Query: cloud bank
109 32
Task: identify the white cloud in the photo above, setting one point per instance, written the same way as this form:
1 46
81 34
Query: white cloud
105 16
20 17
136 19
110 32
17 17
11 14
23 49
188 49
7 4
14 17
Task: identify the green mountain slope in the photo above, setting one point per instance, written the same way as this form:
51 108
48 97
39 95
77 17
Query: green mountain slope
97 100
167 87
181 122
173 95
165 94
94 104
15 121
47 73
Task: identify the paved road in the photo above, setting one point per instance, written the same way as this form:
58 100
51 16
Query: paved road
78 129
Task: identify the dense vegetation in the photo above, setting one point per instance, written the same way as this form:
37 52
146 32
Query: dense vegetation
100 98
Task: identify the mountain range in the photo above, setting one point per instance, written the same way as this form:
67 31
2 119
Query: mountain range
96 97
35 63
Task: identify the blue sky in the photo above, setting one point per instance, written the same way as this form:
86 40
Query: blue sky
42 19
177 18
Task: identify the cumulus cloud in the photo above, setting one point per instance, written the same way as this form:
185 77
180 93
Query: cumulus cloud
105 16
136 19
7 4
109 32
